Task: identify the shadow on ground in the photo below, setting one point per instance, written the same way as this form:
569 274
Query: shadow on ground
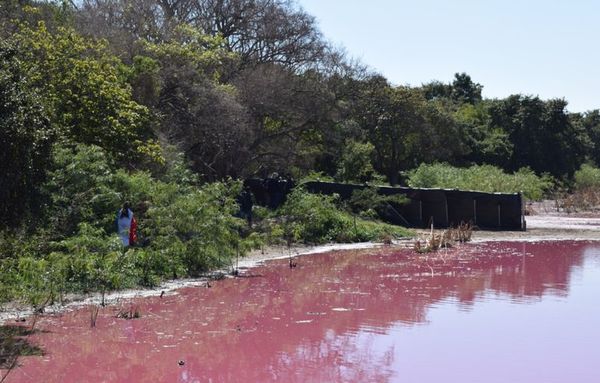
14 343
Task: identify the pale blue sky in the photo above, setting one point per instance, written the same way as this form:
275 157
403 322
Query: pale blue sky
549 48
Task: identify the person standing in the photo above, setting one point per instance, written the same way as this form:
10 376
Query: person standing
126 225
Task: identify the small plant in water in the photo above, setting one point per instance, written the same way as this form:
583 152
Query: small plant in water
94 309
434 241
132 313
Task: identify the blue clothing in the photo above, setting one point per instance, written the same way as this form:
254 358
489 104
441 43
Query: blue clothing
124 225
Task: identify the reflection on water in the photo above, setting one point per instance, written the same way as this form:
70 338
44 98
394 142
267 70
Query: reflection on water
497 312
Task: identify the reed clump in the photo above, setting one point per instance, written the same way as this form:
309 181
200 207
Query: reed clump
444 239
94 310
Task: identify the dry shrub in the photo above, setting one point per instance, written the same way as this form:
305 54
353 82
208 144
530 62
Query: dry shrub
587 199
94 309
447 238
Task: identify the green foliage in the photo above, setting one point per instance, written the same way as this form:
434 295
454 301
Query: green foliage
542 136
484 178
486 143
189 229
25 141
405 129
313 218
144 76
86 98
462 90
368 201
79 187
590 123
188 47
197 230
316 176
9 277
184 230
355 164
93 260
588 176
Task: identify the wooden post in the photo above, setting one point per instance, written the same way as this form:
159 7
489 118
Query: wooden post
499 217
446 206
474 211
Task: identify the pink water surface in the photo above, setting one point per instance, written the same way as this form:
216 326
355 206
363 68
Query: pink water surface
496 312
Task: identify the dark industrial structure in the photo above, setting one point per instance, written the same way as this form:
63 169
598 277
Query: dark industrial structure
423 207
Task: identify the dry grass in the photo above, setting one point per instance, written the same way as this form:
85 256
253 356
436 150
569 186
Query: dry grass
584 200
444 239
94 309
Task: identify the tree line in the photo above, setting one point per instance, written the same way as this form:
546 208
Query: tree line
242 88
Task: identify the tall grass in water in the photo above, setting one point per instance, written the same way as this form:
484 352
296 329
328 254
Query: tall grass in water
445 239
94 310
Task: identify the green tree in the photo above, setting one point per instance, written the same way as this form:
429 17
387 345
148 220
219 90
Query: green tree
202 117
355 164
25 140
542 135
590 123
80 189
464 90
486 144
405 129
87 97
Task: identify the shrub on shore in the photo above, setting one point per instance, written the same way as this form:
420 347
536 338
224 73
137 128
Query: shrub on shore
185 229
588 176
314 218
486 178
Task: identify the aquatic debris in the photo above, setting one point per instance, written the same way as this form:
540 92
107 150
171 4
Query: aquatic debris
132 313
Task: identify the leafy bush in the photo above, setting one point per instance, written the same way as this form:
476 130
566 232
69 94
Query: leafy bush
25 140
314 218
315 176
368 202
587 176
79 189
198 229
486 178
184 230
355 164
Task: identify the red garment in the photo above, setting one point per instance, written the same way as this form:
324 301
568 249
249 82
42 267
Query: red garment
133 232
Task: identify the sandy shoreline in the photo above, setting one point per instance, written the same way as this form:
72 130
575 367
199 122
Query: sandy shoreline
540 228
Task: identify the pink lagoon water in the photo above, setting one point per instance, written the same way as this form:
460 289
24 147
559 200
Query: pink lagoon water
494 312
